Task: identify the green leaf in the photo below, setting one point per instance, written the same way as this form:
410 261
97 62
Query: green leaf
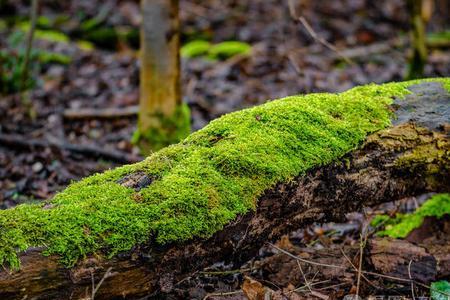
440 290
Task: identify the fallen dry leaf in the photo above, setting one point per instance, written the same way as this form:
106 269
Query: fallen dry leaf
253 289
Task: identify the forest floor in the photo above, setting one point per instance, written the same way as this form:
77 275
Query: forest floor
41 156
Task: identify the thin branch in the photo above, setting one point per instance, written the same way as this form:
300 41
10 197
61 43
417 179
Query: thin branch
362 271
305 260
356 269
362 243
313 34
106 275
311 284
308 285
323 41
222 294
410 278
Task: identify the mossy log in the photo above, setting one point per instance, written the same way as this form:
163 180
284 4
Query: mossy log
244 179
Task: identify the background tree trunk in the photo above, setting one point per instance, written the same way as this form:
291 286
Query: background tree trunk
163 119
420 11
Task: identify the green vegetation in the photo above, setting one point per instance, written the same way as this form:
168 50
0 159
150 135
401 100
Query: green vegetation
440 290
439 39
47 35
228 49
195 48
12 63
400 226
170 130
222 50
203 182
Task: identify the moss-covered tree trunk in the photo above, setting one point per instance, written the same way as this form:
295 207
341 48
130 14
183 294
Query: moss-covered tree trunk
163 118
419 16
243 180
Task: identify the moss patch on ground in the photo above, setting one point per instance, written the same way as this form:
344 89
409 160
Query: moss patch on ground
203 182
167 130
402 224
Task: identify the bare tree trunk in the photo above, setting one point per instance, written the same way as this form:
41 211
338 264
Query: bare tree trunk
163 119
420 13
409 158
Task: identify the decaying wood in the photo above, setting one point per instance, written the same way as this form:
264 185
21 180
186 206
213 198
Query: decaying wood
103 113
409 158
392 257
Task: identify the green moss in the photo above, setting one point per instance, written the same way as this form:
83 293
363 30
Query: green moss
437 39
222 50
170 130
400 226
203 182
48 35
228 49
195 48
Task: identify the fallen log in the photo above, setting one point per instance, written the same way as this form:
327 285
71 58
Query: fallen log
244 179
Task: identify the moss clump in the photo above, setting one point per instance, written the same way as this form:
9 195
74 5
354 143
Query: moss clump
169 130
400 226
202 183
228 49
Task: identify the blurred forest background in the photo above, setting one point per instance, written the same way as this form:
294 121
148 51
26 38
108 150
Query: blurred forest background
79 112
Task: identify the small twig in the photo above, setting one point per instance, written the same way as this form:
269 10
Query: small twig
93 285
220 294
313 34
362 271
308 285
410 278
229 272
323 41
362 243
311 284
334 285
305 260
356 269
95 290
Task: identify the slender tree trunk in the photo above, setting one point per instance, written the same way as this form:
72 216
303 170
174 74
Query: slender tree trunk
163 119
418 40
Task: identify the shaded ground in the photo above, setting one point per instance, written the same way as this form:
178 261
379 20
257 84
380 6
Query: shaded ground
285 61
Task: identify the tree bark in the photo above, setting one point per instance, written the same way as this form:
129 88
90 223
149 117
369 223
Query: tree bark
160 96
409 158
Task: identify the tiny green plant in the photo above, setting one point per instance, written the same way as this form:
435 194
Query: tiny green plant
12 59
402 224
440 290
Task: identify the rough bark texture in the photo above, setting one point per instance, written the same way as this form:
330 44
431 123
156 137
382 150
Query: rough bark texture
392 257
409 158
160 96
